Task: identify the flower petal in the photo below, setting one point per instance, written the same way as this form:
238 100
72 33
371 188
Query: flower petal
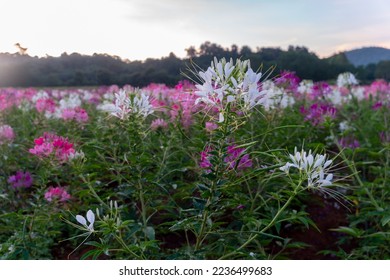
81 220
90 217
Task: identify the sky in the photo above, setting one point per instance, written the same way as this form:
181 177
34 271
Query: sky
140 29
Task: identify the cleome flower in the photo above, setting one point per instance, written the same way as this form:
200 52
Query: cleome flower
53 146
227 83
57 194
125 105
313 167
91 219
20 180
346 79
6 134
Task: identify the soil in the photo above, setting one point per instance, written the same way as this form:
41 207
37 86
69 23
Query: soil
327 214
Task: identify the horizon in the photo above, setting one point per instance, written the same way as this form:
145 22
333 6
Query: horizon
184 57
140 29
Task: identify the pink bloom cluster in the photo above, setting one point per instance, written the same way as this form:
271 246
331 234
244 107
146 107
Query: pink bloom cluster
20 180
57 194
177 103
6 134
77 114
52 145
45 105
235 159
317 114
158 123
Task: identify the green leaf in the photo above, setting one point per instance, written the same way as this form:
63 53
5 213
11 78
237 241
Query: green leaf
347 230
385 220
150 233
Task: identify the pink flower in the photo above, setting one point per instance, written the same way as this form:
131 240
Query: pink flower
20 180
68 114
158 123
210 126
204 159
81 115
45 105
76 114
53 145
57 193
6 134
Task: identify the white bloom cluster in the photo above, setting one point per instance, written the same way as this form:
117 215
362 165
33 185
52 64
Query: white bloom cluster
305 87
346 79
124 105
315 168
336 97
344 125
39 95
225 82
275 97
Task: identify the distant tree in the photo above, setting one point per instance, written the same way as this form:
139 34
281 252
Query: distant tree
382 70
234 50
245 51
191 52
211 49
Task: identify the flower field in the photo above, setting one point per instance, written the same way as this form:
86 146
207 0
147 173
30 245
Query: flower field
231 165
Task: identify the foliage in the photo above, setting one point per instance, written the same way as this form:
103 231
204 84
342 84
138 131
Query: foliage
103 69
218 170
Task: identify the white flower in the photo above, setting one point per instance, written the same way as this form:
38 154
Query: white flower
305 87
224 82
346 79
90 218
344 125
124 105
314 168
40 95
141 105
121 108
273 97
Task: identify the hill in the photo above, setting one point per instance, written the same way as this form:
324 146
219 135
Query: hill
367 55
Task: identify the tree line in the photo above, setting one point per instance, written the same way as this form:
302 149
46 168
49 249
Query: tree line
74 69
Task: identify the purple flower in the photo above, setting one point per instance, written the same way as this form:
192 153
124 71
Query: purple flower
236 158
289 80
377 106
20 180
349 142
317 114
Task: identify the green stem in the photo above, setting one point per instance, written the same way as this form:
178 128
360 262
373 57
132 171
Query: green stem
143 208
254 236
205 216
92 190
355 173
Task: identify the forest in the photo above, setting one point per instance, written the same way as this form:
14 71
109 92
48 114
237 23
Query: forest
22 70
